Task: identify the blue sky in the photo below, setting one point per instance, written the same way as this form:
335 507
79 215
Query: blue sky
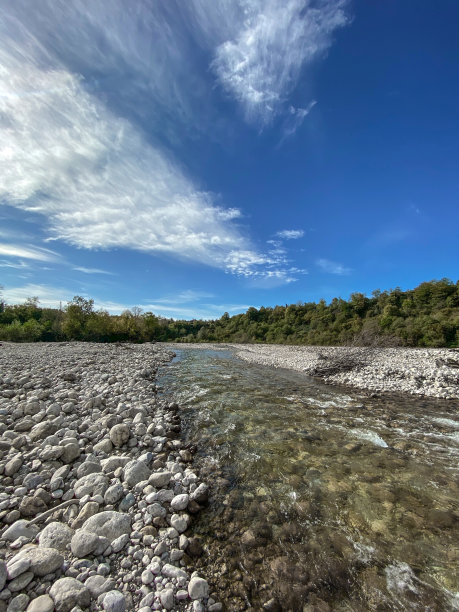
201 156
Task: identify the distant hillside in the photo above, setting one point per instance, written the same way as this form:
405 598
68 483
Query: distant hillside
425 316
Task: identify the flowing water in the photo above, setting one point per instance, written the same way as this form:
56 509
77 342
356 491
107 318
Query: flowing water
324 499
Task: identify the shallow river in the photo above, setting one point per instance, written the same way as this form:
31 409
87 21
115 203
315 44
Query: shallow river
324 499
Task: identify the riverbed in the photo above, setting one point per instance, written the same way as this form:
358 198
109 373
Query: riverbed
323 498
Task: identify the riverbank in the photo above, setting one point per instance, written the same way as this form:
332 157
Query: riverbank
97 489
424 372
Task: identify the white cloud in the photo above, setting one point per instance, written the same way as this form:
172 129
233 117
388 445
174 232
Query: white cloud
332 267
54 297
272 40
49 297
27 252
98 183
92 270
20 265
184 297
290 234
295 118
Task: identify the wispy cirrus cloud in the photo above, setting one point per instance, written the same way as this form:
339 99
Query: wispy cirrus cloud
28 252
290 234
48 296
92 270
295 118
259 64
332 267
91 174
185 307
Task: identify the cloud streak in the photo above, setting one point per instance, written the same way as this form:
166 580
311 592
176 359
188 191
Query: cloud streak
75 147
93 176
54 297
92 270
290 234
27 252
260 64
332 267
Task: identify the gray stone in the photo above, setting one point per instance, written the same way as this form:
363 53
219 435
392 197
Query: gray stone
51 453
160 479
127 502
2 574
42 560
114 462
56 535
13 465
114 601
71 452
98 585
89 467
170 571
89 509
61 472
104 446
200 494
109 524
198 588
92 484
20 583
135 472
119 434
84 543
20 529
18 603
180 522
42 430
156 510
167 598
31 506
16 567
68 593
180 502
44 603
120 543
113 494
31 480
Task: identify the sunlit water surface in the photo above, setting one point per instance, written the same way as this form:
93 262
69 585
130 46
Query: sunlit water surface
321 494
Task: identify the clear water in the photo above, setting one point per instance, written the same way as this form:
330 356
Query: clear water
322 496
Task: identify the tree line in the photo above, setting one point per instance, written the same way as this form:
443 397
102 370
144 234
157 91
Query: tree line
425 316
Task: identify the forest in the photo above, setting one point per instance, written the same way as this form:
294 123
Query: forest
427 316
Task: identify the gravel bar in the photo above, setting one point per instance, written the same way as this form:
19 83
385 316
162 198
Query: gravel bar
97 488
426 372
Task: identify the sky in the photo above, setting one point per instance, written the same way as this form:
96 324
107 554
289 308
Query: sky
196 157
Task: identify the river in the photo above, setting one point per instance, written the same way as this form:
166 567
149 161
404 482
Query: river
323 498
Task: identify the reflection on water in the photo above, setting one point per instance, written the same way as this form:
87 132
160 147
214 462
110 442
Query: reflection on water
324 499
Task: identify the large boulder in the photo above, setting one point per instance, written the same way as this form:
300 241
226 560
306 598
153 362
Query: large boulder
109 524
56 535
31 506
20 528
119 434
135 472
42 560
43 603
85 543
68 593
92 484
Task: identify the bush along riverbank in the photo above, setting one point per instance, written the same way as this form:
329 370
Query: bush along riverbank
97 489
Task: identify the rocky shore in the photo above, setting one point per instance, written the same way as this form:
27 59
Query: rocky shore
425 372
97 490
